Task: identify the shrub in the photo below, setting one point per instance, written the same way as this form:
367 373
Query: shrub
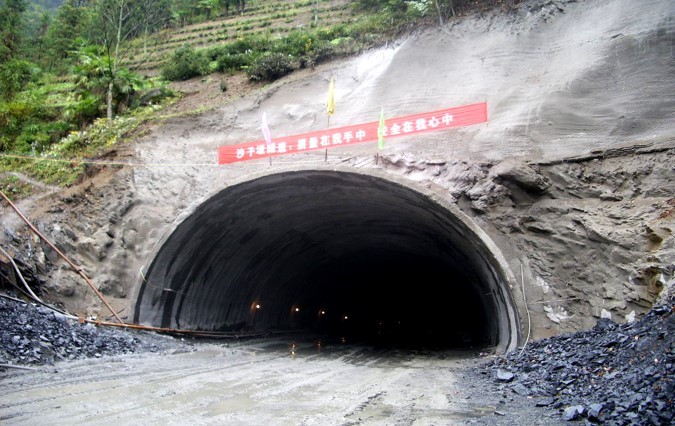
417 9
84 110
39 137
19 120
185 63
250 43
321 52
270 67
296 43
14 75
233 62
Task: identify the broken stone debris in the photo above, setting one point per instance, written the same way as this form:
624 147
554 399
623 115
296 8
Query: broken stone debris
31 334
613 373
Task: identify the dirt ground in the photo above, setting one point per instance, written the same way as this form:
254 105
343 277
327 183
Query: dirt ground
274 381
612 374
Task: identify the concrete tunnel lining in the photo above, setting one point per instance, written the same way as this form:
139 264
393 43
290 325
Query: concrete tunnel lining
390 258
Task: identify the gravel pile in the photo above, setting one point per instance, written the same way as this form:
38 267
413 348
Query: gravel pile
31 334
614 373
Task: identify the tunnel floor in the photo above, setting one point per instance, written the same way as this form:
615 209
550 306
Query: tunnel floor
340 254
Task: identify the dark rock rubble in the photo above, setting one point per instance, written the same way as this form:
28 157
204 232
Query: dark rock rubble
618 374
31 335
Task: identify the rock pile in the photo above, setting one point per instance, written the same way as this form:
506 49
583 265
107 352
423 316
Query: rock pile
35 335
614 373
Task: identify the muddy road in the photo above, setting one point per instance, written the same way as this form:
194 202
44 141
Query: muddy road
274 381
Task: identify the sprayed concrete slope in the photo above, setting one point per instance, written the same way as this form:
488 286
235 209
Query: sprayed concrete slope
560 78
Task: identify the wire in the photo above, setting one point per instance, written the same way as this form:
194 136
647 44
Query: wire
65 314
103 163
18 367
529 321
16 268
75 267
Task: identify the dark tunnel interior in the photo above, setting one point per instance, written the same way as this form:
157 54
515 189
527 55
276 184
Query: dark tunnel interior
402 298
343 255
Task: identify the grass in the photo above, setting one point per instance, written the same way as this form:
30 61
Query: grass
15 188
63 163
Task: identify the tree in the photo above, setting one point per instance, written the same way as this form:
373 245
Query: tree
117 22
225 4
11 22
67 31
14 74
41 34
94 79
183 11
207 6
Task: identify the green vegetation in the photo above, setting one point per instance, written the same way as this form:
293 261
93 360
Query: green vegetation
76 75
14 187
268 57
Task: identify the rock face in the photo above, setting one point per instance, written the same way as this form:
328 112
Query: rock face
613 373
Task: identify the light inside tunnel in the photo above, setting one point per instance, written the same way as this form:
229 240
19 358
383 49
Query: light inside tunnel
378 261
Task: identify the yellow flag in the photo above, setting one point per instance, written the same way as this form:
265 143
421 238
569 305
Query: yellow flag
330 104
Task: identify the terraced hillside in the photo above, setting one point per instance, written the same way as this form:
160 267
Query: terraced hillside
271 17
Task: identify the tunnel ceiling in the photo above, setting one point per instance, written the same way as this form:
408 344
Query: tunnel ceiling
328 251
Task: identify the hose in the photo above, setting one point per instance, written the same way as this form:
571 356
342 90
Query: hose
75 267
16 268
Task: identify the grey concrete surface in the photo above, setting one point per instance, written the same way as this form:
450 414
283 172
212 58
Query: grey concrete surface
271 382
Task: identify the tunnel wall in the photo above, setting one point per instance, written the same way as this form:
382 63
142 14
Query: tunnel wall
269 237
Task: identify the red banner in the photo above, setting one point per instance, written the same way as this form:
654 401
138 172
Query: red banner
360 133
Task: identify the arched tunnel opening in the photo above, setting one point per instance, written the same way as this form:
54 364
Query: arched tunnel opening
343 254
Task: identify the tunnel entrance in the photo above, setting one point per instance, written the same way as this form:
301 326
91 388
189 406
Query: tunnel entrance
343 254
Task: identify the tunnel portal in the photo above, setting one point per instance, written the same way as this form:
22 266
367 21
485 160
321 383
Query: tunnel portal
337 253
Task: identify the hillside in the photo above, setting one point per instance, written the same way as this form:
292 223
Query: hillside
560 79
259 18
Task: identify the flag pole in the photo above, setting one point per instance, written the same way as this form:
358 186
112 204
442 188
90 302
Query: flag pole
266 134
325 157
330 109
381 129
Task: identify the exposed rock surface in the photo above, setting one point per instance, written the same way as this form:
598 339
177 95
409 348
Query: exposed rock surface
587 235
